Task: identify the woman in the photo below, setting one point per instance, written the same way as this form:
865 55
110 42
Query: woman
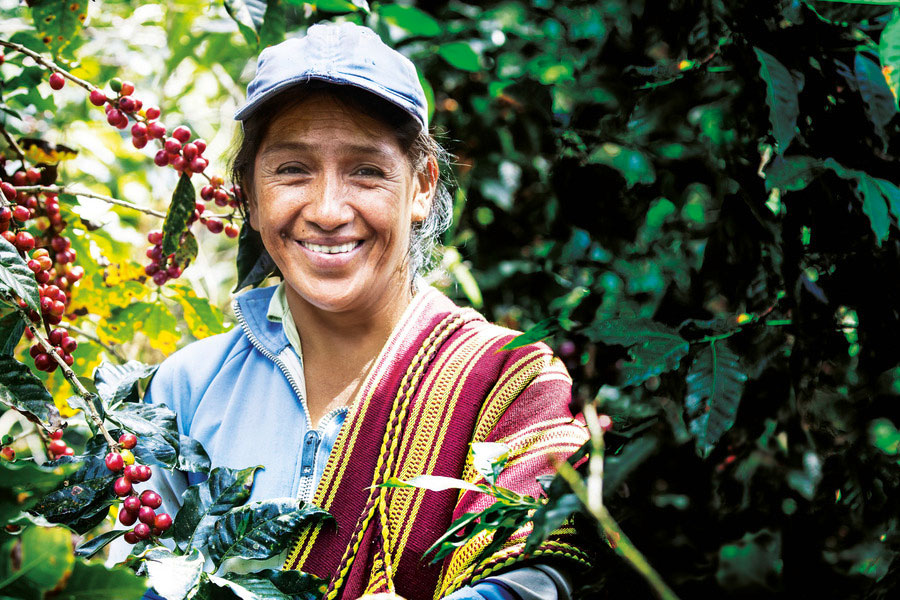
351 371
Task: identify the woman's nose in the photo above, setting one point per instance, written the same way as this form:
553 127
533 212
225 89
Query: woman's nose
327 207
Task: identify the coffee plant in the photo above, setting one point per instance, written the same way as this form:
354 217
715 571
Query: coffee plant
696 204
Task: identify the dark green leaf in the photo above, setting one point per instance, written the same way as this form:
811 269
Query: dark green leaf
752 563
792 173
23 483
79 403
187 249
254 264
460 55
172 575
260 530
617 467
412 19
94 581
16 278
550 517
274 25
653 347
250 586
299 585
535 333
180 210
715 383
82 502
94 545
118 383
874 205
21 390
878 100
782 90
202 503
157 429
11 329
634 166
192 458
342 6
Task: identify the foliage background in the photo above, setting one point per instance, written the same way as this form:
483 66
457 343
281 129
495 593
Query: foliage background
723 168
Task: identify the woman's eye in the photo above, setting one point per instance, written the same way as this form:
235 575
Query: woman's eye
290 170
369 172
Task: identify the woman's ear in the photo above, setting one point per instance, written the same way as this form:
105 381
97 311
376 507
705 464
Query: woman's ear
426 187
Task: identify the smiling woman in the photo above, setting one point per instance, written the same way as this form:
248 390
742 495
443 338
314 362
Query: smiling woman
352 371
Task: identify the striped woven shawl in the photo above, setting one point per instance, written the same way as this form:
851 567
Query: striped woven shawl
440 383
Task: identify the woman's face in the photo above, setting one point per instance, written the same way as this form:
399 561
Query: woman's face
334 197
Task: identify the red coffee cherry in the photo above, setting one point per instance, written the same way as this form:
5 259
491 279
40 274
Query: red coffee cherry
8 190
44 362
128 440
126 103
132 503
156 130
127 88
33 175
130 537
161 159
162 521
146 515
144 473
122 487
57 447
142 531
127 517
57 81
151 499
97 97
152 112
182 134
24 241
214 225
57 435
8 453
21 214
115 462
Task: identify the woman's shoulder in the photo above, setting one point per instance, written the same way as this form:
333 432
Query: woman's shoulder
203 358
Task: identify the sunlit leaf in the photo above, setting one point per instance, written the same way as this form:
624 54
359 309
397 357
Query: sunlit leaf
889 53
536 333
95 581
460 55
172 575
249 16
435 483
414 20
653 347
118 383
202 317
21 390
632 164
11 329
16 278
58 22
96 544
879 101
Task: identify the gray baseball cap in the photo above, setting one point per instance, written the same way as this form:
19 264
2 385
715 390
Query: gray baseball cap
342 54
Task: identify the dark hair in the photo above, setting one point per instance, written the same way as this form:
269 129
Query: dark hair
416 143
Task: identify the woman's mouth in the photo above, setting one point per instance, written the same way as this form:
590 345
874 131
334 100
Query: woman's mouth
331 248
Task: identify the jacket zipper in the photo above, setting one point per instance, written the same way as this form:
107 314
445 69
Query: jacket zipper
307 489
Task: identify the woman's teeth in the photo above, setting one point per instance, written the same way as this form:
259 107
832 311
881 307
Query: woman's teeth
330 249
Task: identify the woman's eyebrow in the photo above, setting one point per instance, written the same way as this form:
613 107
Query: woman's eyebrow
349 149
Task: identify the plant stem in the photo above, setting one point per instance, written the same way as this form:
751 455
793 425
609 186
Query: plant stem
56 189
99 342
46 62
68 373
12 143
591 496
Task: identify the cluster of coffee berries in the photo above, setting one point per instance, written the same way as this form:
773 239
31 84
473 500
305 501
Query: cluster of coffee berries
57 446
136 507
161 268
215 192
64 345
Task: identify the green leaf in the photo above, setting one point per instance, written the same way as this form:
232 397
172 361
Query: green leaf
460 55
156 427
653 347
202 503
260 530
95 544
192 458
752 563
412 19
435 483
782 90
879 102
22 391
118 383
632 164
16 278
201 317
187 249
299 585
180 210
535 333
550 517
489 459
23 484
715 383
83 501
874 205
249 587
45 560
254 264
58 22
340 6
161 329
889 53
249 16
171 575
792 173
273 26
79 403
11 329
94 581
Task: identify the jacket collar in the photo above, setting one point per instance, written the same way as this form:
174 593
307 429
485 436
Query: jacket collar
251 308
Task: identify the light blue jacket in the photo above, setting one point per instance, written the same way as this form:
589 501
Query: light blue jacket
237 393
